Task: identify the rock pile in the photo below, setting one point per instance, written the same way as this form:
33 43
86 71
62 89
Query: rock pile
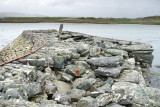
76 70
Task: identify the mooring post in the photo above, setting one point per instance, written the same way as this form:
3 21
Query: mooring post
60 30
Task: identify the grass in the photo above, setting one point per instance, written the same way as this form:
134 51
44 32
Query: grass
155 20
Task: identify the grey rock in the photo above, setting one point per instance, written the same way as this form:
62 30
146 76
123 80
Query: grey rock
129 63
65 36
58 61
105 88
39 63
124 42
17 103
62 87
138 47
77 94
109 80
33 89
95 51
49 87
158 66
16 93
94 94
62 98
71 69
117 52
108 72
2 78
104 99
106 61
83 83
82 63
146 97
75 56
114 105
67 77
126 88
87 102
132 76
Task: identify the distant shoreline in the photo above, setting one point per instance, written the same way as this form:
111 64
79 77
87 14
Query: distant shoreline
152 20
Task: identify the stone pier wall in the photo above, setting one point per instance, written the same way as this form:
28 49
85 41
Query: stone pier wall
75 70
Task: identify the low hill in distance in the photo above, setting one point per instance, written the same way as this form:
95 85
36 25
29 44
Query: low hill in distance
155 20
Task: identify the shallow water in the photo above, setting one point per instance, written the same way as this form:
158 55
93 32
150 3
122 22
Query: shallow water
133 32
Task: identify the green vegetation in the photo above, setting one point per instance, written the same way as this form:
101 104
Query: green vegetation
146 20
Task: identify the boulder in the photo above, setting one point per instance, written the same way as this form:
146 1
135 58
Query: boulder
83 83
77 94
146 97
129 63
114 105
87 102
132 76
105 88
117 52
71 69
108 71
126 88
62 98
104 99
95 51
62 87
106 61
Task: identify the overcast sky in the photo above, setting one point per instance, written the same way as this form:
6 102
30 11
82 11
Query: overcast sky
83 8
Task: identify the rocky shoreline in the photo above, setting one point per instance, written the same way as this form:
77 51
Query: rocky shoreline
76 70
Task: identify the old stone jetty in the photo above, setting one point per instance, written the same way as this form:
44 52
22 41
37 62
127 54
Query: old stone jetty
48 68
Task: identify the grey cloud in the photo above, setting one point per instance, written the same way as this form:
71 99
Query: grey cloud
84 8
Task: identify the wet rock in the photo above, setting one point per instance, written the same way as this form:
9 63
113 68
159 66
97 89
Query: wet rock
132 76
71 69
108 72
62 87
62 98
87 102
117 52
146 97
83 83
106 61
77 94
95 51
